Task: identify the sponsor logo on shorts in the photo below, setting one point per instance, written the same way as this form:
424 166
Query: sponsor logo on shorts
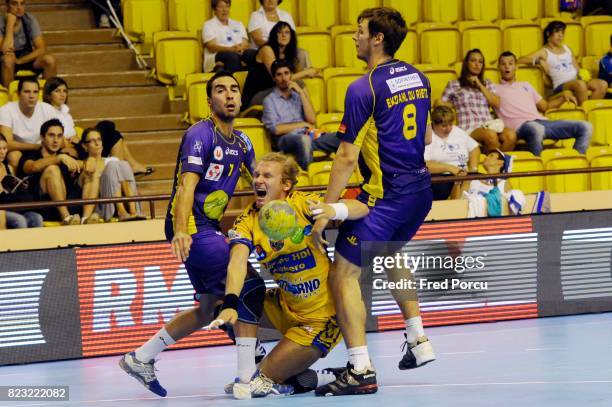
214 172
404 82
194 160
352 240
218 153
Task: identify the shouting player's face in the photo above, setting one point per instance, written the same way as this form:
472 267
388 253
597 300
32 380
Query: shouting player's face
268 182
224 99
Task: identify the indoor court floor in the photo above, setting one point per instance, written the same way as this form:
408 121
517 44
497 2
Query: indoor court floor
560 361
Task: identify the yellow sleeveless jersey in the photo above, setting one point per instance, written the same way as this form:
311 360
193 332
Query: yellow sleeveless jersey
299 269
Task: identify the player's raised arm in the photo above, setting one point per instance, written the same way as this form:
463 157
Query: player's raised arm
181 242
345 209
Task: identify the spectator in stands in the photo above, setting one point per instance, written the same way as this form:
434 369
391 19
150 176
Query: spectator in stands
472 96
20 121
605 69
55 93
225 40
282 44
13 190
451 152
115 176
520 106
55 175
114 146
22 44
263 20
556 60
289 116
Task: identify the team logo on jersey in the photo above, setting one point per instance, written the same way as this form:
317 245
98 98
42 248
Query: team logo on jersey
260 253
277 246
218 153
229 151
214 172
307 230
197 147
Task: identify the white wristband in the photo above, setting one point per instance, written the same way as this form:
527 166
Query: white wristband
341 211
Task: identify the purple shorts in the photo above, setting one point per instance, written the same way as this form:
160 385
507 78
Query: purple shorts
389 220
207 261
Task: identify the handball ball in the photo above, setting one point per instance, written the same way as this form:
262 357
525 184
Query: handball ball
277 220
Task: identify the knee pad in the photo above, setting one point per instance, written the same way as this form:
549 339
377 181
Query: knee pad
250 306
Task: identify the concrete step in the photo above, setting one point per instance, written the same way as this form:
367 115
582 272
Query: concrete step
56 49
109 79
109 102
141 123
163 171
96 61
153 136
37 3
63 17
80 36
155 152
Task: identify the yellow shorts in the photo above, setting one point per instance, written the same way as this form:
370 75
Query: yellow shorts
323 334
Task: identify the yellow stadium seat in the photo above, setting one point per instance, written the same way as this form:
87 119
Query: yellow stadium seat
597 38
586 20
337 81
345 54
257 134
350 9
491 73
319 13
601 180
482 35
599 113
241 78
177 54
318 43
316 90
319 172
597 151
521 37
303 179
551 8
591 64
329 121
573 35
241 10
439 44
188 15
565 113
411 9
142 18
438 77
484 10
409 50
524 161
290 6
442 11
195 85
560 159
523 9
532 75
12 95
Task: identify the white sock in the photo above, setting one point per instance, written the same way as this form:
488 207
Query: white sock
245 349
324 378
414 329
359 357
154 346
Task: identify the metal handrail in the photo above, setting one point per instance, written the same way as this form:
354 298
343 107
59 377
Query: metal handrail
247 192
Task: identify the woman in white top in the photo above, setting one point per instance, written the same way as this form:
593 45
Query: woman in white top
262 21
225 40
451 152
558 62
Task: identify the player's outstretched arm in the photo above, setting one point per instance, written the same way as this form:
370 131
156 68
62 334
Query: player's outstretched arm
342 169
354 209
181 242
236 273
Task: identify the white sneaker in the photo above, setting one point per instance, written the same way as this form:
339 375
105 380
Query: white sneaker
260 386
144 372
417 354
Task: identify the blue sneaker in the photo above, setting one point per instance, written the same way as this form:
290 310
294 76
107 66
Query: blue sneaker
143 372
261 386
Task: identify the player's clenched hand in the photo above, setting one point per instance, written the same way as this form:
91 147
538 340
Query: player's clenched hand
321 210
228 316
317 234
181 244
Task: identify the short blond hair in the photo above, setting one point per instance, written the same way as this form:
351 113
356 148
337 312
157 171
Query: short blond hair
290 167
442 115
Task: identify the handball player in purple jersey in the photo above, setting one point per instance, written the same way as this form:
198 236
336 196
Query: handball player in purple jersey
384 129
211 158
